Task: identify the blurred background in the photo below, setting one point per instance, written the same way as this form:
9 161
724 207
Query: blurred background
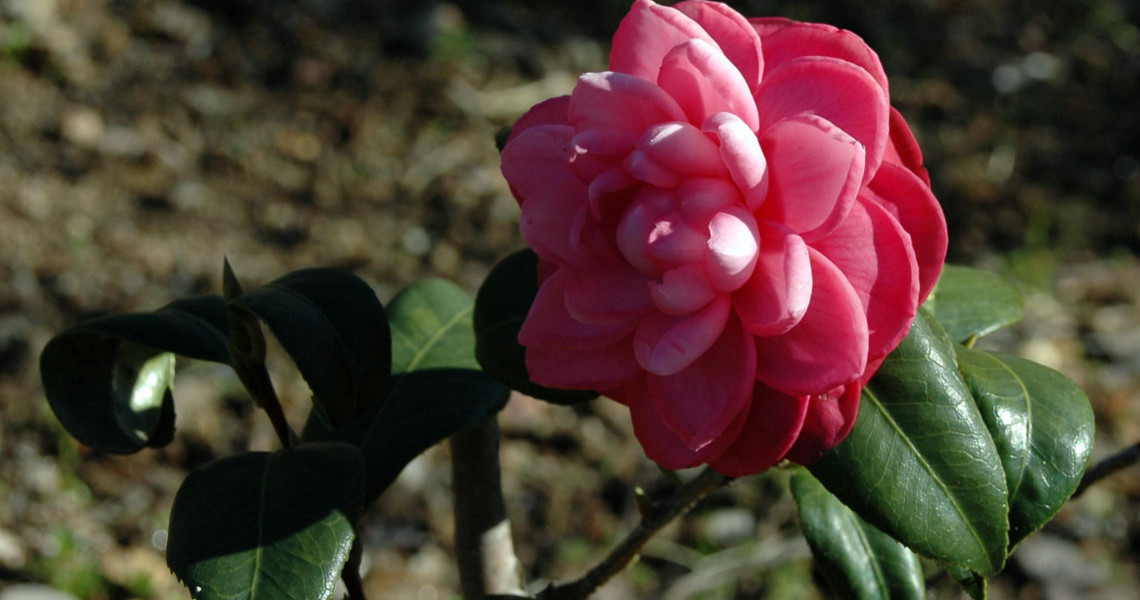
143 140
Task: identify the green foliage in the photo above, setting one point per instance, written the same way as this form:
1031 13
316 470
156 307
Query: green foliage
284 529
500 309
972 303
857 560
431 327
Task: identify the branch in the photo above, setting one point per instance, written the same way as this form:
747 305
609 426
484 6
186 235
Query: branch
350 575
1121 460
483 548
652 520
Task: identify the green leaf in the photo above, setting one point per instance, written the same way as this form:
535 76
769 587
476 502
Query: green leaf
920 463
109 380
267 525
1042 424
431 327
858 561
973 584
500 309
421 409
335 330
971 303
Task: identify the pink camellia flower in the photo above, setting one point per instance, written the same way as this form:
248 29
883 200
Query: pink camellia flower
734 229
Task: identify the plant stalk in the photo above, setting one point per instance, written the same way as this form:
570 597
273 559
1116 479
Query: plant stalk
350 575
1121 460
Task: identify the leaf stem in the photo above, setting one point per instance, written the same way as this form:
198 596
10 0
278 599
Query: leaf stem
484 551
261 386
1121 460
653 520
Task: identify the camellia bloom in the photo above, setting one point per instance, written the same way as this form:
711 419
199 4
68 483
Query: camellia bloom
734 229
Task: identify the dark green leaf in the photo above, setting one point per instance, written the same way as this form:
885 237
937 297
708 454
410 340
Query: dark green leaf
109 380
971 303
1042 424
973 584
500 309
335 330
858 561
422 408
262 526
431 327
920 463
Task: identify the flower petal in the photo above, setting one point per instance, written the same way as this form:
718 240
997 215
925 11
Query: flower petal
611 100
829 419
732 32
646 34
774 422
797 40
666 344
548 218
816 172
777 295
683 290
741 153
553 111
841 92
534 159
701 401
550 325
681 149
827 348
904 149
704 82
733 245
588 369
607 292
911 202
875 254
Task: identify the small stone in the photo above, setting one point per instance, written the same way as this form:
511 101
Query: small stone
82 126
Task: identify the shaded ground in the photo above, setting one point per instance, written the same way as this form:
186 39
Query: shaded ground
141 141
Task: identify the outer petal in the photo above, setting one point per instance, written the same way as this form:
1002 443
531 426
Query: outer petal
700 402
875 254
548 218
732 32
741 153
704 82
646 34
796 40
605 293
816 173
774 422
777 295
904 149
830 418
590 369
553 111
914 205
536 158
666 344
843 93
611 100
827 348
548 323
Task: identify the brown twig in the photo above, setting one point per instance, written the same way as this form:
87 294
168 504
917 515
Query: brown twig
1121 460
350 575
657 517
484 551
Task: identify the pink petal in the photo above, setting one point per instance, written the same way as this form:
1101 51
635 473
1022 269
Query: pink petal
875 254
672 242
774 422
911 202
638 222
829 419
816 172
598 150
827 348
548 323
588 369
766 26
536 158
609 189
548 218
661 443
611 100
732 32
646 34
733 245
741 153
553 111
777 295
904 149
683 290
701 198
797 40
607 293
700 402
665 344
680 149
704 82
843 93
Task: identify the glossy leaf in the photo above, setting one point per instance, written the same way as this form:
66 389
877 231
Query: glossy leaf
431 327
261 526
971 302
1042 424
500 309
973 584
858 561
335 330
109 380
920 464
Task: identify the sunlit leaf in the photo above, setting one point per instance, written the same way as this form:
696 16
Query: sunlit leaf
431 327
971 302
262 526
109 380
858 561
